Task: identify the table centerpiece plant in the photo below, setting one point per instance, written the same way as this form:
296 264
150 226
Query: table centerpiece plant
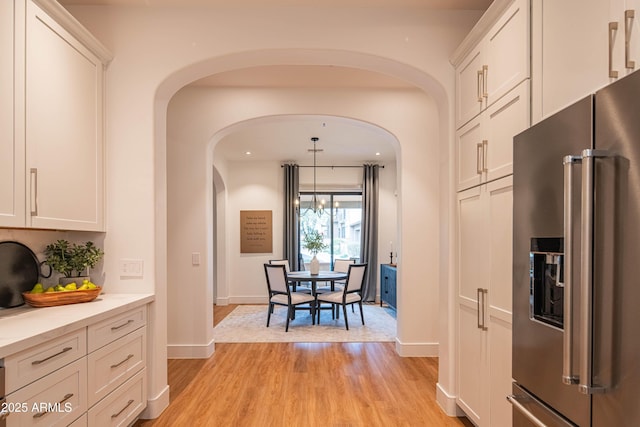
313 241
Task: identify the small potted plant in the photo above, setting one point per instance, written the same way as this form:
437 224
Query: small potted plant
73 261
314 242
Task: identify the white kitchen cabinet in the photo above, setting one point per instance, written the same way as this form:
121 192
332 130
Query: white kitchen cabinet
495 65
484 302
485 144
94 375
579 46
64 119
52 145
12 172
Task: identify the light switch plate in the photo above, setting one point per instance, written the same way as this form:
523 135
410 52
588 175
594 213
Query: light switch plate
132 268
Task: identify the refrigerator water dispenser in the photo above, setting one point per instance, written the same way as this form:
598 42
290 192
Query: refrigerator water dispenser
547 280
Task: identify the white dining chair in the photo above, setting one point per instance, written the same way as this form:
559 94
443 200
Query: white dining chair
350 295
280 294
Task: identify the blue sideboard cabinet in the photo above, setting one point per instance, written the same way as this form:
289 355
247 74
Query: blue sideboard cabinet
388 288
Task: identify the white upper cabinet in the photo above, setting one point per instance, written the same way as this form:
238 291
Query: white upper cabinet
12 207
64 140
487 70
52 146
579 46
485 144
507 56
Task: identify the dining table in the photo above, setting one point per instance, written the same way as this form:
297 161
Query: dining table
322 276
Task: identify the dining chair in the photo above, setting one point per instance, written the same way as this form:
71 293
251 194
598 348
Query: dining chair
294 285
351 294
280 294
339 265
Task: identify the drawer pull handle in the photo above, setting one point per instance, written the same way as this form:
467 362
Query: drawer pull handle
115 328
43 413
122 410
64 350
121 362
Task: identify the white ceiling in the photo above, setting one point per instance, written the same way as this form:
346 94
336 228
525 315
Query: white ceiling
288 138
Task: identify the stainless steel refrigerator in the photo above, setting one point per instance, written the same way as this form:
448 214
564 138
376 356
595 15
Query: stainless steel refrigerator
576 264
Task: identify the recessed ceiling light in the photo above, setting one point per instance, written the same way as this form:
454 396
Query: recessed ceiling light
248 153
378 153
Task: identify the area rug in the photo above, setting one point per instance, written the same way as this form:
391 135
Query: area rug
248 323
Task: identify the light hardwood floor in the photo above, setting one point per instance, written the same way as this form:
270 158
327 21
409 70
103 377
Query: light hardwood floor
303 384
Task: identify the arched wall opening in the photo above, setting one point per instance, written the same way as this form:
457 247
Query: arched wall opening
225 239
413 337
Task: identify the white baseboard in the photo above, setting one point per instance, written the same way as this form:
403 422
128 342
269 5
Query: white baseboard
448 402
249 300
184 351
416 349
242 300
156 405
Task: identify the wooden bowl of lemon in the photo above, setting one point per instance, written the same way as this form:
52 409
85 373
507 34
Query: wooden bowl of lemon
61 295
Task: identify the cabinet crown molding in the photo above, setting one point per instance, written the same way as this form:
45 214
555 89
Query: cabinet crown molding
479 30
71 24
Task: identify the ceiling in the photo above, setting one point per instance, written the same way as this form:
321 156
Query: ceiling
432 4
288 138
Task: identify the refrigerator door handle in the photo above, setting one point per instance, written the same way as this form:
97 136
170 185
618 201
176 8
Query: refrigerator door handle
513 399
568 375
586 385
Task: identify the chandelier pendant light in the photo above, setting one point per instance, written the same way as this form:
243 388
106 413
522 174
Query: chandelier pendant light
317 204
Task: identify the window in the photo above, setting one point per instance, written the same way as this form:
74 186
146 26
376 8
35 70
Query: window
339 224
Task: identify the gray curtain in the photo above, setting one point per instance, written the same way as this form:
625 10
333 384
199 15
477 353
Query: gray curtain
369 231
291 244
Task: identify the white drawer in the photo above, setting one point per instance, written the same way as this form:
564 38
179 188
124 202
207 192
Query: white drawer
33 363
115 327
55 400
111 365
123 406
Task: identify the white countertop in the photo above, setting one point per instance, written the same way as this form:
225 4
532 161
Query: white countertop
25 326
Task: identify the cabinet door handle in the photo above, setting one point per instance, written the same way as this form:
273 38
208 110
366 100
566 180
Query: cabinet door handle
122 361
629 15
64 399
479 85
613 28
116 415
478 297
485 78
64 350
115 328
481 296
485 150
33 172
479 157
484 309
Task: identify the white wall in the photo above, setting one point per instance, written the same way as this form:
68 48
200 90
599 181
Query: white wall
160 49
